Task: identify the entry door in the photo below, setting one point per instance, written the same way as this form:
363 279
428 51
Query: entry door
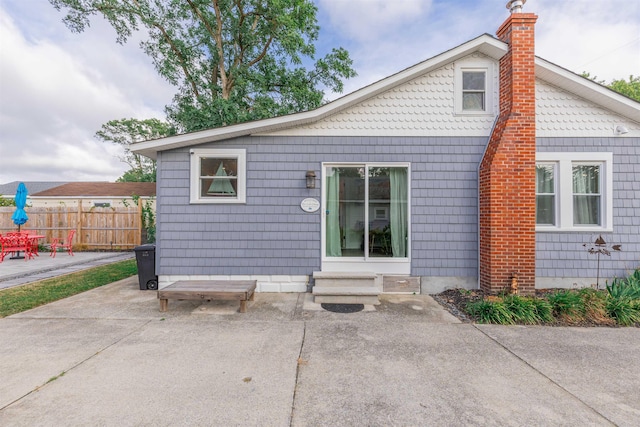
366 218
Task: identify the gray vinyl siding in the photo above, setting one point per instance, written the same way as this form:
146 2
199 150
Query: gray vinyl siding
271 235
561 254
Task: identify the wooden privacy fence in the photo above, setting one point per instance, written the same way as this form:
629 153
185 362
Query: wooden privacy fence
106 229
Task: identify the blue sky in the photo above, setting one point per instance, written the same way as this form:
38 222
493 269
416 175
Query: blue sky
57 88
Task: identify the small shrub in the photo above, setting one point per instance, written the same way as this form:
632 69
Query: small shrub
567 305
625 288
595 310
625 311
490 312
543 310
522 309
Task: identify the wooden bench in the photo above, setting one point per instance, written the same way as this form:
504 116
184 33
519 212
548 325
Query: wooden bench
240 290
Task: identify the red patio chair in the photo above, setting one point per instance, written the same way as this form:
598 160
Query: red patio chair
65 244
14 243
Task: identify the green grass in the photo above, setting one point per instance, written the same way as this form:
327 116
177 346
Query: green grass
21 298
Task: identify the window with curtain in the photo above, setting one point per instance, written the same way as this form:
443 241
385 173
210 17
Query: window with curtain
545 194
586 194
366 211
574 191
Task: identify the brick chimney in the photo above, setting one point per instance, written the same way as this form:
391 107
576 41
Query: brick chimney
507 170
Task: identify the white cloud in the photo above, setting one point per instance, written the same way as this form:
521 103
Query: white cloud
367 20
600 37
58 88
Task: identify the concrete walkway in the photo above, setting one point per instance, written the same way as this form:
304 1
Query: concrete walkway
14 272
108 357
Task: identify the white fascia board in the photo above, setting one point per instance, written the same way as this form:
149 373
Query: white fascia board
587 89
485 44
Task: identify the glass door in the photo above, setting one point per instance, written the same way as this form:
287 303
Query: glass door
366 216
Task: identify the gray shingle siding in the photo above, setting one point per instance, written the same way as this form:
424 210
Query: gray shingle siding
271 235
562 254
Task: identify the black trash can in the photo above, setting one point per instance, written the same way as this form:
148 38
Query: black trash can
146 260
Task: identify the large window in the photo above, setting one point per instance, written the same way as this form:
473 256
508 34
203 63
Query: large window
218 176
574 191
367 208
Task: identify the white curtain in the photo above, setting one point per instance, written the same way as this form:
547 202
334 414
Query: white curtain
545 195
586 195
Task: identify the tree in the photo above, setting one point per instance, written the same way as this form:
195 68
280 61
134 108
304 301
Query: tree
125 132
231 60
629 88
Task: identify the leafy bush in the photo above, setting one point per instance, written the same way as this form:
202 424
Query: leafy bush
543 310
595 310
567 304
625 288
485 311
522 309
625 311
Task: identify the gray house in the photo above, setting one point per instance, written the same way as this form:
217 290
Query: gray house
482 165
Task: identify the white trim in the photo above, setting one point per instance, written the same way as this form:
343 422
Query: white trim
564 189
379 265
194 176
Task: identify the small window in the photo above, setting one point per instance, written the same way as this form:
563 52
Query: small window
574 191
218 176
473 90
545 194
475 81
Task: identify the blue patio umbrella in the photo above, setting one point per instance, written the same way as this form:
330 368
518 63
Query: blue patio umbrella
19 217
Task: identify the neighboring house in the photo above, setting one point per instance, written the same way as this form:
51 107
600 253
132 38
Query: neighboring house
94 194
8 191
465 170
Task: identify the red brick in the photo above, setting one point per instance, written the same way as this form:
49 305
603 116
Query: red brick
507 172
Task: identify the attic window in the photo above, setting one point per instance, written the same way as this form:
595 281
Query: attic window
474 90
474 84
218 176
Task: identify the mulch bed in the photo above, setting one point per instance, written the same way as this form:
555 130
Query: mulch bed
455 301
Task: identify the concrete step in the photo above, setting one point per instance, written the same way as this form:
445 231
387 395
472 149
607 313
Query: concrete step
346 288
364 280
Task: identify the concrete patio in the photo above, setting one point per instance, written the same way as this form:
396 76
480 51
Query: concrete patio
109 357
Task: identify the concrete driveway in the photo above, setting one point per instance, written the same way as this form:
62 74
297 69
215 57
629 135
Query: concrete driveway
108 357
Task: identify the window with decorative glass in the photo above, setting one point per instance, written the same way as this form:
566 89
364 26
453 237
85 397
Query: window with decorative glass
218 176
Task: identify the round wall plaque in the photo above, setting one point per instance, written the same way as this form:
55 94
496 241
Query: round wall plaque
310 205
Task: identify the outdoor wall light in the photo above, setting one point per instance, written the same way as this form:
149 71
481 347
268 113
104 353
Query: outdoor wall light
311 179
620 130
